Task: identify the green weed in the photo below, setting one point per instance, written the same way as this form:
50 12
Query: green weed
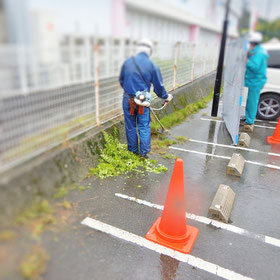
179 116
162 142
65 204
61 192
38 216
115 159
181 139
34 263
169 156
38 209
81 188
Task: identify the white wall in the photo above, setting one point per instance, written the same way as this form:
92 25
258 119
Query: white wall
140 24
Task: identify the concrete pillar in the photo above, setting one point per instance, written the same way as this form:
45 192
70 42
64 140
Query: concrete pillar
118 18
194 33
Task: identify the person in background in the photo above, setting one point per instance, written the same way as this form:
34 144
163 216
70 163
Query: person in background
255 76
137 75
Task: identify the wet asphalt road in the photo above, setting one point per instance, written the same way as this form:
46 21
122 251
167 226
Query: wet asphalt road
84 253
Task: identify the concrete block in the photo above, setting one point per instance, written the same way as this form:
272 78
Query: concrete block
244 140
248 127
222 204
236 165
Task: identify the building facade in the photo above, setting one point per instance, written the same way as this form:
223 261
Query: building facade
46 21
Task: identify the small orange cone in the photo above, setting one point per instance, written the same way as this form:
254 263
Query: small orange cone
275 138
170 230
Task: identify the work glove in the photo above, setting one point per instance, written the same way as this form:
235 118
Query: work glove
169 98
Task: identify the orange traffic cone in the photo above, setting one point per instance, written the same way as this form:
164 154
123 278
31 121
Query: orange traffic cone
275 138
170 230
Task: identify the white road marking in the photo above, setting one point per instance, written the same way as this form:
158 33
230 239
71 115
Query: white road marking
263 238
225 157
233 147
256 125
272 122
141 241
266 121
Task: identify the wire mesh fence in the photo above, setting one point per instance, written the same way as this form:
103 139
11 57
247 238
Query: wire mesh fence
48 96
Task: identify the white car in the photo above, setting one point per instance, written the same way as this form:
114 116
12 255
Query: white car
269 104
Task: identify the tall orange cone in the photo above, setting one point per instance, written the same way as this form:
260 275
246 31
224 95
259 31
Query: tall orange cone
171 230
275 138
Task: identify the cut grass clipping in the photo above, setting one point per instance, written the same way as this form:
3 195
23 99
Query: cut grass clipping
115 159
38 216
34 263
179 116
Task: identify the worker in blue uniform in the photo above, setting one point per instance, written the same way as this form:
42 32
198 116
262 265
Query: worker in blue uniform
255 76
137 74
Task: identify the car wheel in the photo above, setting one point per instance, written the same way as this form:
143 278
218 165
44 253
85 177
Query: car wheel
269 107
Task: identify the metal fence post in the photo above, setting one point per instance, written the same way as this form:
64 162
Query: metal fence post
205 59
97 83
193 57
214 58
175 64
22 68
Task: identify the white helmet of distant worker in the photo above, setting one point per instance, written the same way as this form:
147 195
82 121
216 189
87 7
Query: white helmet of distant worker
146 46
255 37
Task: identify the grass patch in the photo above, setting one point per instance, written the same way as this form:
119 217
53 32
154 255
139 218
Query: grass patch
179 116
169 156
41 224
38 209
181 139
115 159
161 142
34 263
65 204
77 187
38 216
61 192
7 235
81 188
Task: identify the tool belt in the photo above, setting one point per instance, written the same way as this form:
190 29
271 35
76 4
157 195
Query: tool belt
133 106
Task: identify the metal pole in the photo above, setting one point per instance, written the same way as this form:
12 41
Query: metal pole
218 81
193 57
97 84
175 65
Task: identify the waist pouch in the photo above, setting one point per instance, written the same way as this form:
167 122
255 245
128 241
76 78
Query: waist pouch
133 106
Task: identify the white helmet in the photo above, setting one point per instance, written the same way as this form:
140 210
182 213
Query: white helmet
146 46
255 37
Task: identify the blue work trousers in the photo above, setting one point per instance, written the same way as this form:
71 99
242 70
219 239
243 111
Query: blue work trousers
252 103
132 122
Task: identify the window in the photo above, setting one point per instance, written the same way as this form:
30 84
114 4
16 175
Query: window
274 59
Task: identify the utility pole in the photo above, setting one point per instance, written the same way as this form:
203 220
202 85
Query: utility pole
218 81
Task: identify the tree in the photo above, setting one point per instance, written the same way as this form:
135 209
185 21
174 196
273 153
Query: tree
269 29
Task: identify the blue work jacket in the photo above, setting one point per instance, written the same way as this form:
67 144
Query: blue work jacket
131 80
256 67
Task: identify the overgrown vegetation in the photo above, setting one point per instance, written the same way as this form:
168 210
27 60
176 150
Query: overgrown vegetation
34 263
179 116
115 159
